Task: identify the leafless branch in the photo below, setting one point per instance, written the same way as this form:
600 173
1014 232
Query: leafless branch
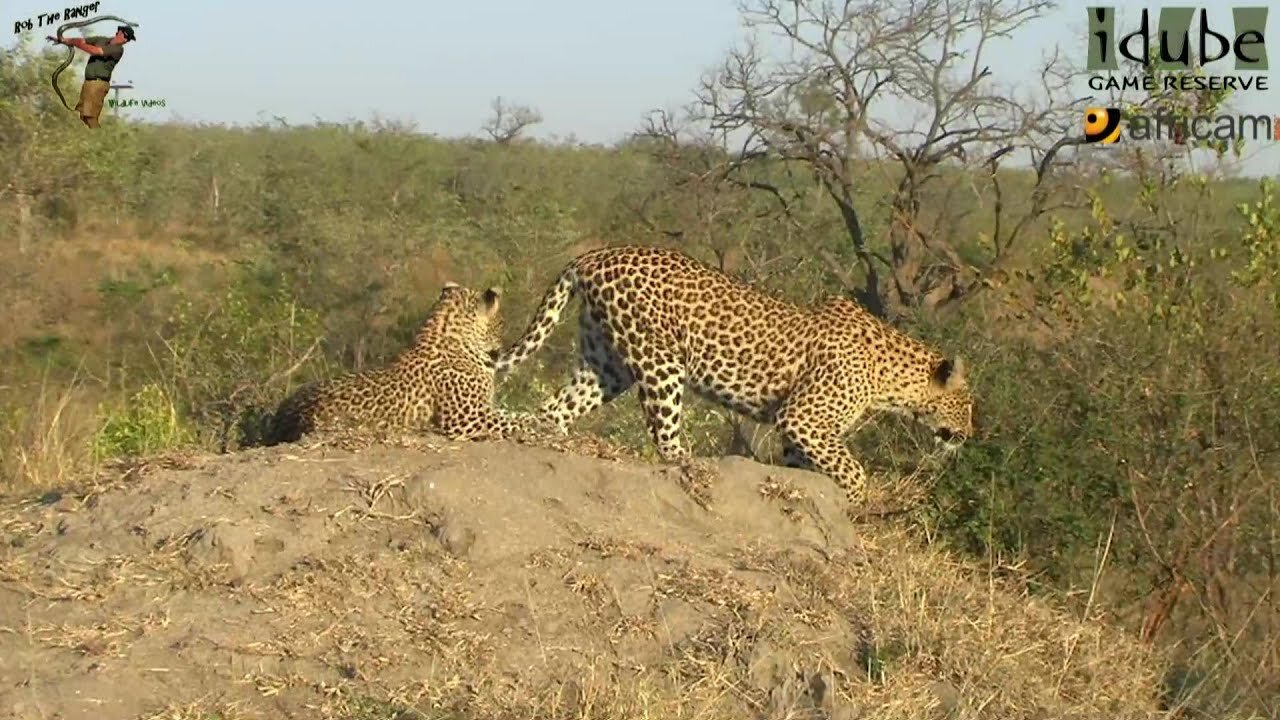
860 82
508 121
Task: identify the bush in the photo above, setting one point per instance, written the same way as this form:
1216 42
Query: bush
1147 423
147 423
230 358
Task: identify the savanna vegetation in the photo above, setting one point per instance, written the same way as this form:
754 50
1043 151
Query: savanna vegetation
165 285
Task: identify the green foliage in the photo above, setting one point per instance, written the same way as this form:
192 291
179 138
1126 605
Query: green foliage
49 350
1148 419
1038 484
147 423
1260 242
230 356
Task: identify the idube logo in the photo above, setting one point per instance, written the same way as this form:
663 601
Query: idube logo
1181 40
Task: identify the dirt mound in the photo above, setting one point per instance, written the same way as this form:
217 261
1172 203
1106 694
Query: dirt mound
501 580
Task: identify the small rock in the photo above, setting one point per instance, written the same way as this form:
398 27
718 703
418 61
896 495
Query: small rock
455 538
678 620
822 691
225 544
271 545
766 668
571 699
947 697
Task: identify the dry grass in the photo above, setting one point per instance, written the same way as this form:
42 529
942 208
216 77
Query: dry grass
45 437
318 577
54 287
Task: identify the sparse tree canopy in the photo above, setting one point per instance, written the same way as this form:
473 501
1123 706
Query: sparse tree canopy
509 121
861 86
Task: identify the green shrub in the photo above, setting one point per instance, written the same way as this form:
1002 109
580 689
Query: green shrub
147 423
231 357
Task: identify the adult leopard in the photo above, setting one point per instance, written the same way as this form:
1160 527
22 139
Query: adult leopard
660 319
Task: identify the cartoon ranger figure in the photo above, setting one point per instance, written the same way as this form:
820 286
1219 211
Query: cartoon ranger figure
104 54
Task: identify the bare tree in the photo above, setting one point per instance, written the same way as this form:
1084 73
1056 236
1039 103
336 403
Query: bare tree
509 121
901 87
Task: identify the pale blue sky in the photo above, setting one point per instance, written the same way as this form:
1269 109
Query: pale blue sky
593 67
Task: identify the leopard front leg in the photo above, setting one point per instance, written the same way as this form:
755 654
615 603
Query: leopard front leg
794 457
832 457
492 424
470 411
812 426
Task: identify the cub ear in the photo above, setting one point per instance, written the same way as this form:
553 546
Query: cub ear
950 374
449 288
492 299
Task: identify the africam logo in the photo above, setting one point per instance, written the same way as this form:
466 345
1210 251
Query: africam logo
1101 125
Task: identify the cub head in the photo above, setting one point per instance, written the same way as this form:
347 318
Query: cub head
472 315
948 405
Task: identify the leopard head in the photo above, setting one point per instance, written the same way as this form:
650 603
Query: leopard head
471 316
947 407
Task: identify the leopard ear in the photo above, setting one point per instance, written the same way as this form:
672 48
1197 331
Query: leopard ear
448 287
492 300
950 374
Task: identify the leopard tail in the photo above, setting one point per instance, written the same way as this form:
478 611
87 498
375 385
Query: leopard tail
544 321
